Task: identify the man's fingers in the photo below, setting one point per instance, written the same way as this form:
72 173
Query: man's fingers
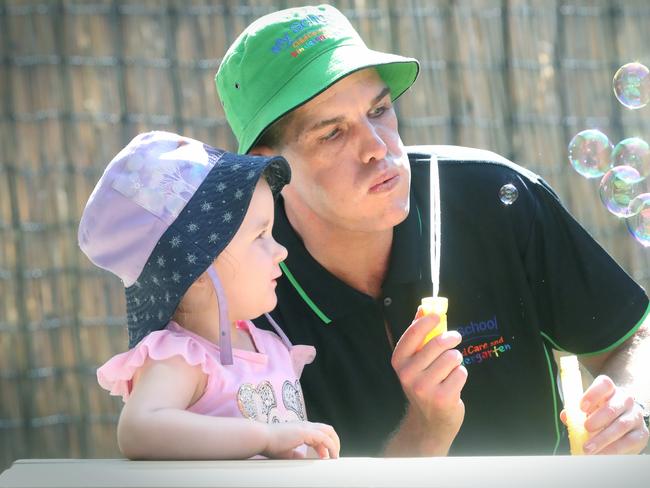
423 382
415 333
444 365
627 435
614 422
440 392
605 414
455 381
631 443
422 359
600 391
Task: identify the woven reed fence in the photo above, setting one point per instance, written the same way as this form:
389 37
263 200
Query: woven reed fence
79 79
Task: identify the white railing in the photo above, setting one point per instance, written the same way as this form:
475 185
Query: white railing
458 472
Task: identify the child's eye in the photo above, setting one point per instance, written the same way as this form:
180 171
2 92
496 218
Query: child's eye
265 233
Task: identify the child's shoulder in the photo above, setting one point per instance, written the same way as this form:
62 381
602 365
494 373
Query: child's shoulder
172 342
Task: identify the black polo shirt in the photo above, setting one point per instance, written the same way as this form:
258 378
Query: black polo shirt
521 279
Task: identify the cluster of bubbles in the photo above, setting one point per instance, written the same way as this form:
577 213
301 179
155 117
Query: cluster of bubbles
624 168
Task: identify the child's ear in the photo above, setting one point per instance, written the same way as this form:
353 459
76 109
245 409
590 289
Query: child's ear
203 278
201 281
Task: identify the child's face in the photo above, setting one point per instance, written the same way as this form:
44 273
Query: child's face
249 266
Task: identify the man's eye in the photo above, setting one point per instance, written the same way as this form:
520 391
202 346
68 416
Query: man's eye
376 112
330 135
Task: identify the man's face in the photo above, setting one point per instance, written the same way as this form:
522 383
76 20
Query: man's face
349 167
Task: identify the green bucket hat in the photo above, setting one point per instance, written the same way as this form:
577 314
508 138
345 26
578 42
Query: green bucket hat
286 58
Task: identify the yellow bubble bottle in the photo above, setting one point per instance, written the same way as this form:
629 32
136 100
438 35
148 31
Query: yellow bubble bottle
571 381
434 306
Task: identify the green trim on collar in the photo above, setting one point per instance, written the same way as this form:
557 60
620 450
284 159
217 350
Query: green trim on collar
611 346
419 219
553 389
304 295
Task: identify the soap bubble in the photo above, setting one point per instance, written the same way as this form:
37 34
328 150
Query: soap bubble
618 188
639 221
508 194
590 153
632 85
634 152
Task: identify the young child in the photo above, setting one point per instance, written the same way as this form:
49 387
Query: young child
187 228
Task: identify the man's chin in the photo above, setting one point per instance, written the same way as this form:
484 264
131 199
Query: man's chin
398 215
390 217
399 209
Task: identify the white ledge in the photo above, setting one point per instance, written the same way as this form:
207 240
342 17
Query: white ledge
458 472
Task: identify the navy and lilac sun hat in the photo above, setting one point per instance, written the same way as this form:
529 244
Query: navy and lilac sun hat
164 209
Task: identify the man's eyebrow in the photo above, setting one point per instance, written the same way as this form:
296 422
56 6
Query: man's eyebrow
336 120
382 94
323 123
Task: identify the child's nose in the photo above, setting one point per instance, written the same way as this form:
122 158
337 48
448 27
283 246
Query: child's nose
281 252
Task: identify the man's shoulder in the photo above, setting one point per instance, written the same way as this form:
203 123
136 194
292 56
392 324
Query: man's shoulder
456 153
474 178
467 159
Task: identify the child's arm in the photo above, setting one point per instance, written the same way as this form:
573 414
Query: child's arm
155 425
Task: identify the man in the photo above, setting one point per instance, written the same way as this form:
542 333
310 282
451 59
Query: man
522 277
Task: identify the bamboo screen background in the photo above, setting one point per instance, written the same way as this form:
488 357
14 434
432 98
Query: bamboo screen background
79 79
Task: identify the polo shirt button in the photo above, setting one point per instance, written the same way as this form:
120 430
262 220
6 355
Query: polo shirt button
387 301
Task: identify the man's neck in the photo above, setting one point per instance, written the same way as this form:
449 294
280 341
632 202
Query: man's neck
359 259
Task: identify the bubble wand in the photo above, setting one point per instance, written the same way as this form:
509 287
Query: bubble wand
434 304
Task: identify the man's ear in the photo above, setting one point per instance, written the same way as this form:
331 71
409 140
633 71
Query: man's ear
262 151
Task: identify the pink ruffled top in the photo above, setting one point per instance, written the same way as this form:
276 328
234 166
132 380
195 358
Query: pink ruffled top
260 385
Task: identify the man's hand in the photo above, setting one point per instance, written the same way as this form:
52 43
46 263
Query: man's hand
432 378
614 421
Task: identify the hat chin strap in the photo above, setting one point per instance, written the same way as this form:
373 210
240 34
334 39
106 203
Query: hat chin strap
225 345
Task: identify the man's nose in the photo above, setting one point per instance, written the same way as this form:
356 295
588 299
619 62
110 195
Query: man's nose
372 147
